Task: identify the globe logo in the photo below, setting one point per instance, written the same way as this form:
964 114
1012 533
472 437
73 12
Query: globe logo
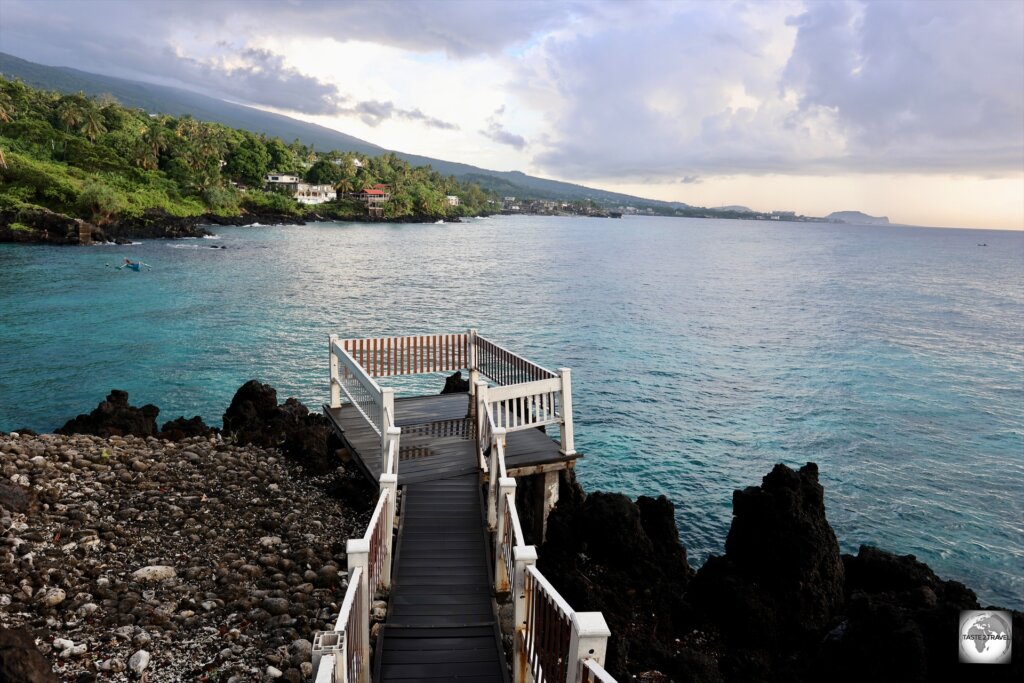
985 637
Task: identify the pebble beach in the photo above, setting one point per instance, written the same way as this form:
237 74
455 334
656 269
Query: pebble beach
143 559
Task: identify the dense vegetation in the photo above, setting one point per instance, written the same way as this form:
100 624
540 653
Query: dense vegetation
95 159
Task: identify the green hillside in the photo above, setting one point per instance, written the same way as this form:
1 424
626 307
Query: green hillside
94 159
177 102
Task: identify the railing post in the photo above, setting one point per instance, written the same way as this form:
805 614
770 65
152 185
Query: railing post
387 396
389 483
335 378
525 555
497 456
589 640
474 374
506 486
358 550
393 434
480 402
568 445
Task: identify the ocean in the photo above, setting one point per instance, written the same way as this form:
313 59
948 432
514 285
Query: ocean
703 352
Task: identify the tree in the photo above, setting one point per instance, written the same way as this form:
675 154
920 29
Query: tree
249 162
70 114
282 159
92 124
152 142
6 115
324 172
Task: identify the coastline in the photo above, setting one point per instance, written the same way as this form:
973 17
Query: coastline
782 603
49 227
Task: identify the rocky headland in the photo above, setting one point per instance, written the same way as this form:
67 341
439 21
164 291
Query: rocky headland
184 552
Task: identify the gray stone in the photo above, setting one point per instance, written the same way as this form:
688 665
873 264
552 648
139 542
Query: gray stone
275 606
274 672
53 597
155 572
139 661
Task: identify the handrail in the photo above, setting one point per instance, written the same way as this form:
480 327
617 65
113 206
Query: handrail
505 367
411 355
525 406
374 536
548 632
552 640
593 672
359 387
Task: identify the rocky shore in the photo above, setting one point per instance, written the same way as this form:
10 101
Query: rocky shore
202 558
188 553
42 226
782 604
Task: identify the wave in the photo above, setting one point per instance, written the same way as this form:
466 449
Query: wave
211 237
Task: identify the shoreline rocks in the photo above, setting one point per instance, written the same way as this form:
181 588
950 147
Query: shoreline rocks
782 603
37 225
117 569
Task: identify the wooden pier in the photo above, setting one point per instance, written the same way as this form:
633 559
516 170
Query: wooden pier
445 540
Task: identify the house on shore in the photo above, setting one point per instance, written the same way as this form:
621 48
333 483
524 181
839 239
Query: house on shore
452 200
302 192
374 198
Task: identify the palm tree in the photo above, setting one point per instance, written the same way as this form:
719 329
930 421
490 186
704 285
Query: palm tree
152 142
70 114
92 124
344 185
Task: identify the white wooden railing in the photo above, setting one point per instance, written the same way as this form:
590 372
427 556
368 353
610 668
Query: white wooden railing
348 377
413 355
343 655
553 642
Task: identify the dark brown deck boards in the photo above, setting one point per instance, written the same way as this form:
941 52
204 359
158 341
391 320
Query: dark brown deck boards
441 621
438 440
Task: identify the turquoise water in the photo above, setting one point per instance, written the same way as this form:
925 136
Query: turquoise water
703 352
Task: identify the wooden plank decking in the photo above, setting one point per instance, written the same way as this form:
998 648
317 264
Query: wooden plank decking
438 440
441 615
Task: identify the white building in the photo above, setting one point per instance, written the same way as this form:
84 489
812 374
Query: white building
282 178
304 193
315 194
452 200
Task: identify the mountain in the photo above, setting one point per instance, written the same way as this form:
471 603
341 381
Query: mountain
166 100
856 218
736 208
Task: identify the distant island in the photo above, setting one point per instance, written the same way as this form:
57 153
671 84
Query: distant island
856 218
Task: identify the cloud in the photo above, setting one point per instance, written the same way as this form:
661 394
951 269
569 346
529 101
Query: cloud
495 131
373 112
259 76
917 83
716 89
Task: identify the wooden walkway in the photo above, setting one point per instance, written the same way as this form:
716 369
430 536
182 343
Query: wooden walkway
439 440
442 619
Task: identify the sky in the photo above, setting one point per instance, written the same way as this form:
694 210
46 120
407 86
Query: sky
912 110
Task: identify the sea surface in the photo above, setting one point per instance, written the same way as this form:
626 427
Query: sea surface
703 352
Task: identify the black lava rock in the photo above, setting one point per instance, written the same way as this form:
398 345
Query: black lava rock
182 428
114 417
254 417
455 384
20 661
